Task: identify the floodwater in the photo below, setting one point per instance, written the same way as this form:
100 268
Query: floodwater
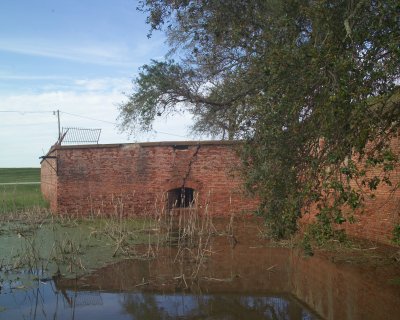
239 277
46 302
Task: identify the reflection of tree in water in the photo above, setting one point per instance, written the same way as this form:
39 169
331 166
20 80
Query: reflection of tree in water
238 307
143 306
232 307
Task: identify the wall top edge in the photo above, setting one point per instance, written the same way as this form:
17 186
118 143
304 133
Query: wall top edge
150 144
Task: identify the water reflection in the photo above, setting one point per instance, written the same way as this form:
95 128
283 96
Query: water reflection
151 306
46 302
246 281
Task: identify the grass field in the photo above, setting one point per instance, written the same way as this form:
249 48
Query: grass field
16 197
17 175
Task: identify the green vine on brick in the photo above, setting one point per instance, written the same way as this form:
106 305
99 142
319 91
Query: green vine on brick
396 234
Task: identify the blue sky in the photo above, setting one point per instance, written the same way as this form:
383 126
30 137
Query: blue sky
78 56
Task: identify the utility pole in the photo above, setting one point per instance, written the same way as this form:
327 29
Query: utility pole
58 119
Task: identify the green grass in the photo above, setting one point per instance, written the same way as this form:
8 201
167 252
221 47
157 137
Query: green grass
17 175
16 197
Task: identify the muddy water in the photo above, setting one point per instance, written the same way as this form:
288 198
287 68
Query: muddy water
239 277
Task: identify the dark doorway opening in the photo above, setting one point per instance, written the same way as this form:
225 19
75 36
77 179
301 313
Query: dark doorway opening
180 198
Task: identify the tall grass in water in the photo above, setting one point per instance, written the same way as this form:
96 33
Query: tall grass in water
191 231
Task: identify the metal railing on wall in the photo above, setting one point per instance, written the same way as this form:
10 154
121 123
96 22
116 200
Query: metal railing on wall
71 135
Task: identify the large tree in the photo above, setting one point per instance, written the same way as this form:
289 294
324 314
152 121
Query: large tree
306 84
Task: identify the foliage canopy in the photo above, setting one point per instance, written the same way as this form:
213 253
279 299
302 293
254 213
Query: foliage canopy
307 84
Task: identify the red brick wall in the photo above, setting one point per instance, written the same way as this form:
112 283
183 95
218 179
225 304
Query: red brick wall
379 214
48 179
134 178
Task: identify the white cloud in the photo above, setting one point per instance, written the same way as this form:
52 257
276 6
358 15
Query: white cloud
113 54
104 84
24 136
6 76
104 54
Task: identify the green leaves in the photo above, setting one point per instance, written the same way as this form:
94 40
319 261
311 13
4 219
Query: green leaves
161 85
396 234
311 86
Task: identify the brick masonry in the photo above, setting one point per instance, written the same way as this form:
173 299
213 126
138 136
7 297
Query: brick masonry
380 211
134 179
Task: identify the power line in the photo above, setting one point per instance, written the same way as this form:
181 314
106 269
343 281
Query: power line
114 123
169 134
83 117
23 112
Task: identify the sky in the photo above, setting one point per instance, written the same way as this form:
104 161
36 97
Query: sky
76 56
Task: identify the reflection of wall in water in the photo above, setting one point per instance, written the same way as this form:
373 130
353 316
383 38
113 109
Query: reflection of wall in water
335 291
189 306
345 290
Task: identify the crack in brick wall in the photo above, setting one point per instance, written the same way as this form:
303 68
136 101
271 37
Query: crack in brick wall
192 159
